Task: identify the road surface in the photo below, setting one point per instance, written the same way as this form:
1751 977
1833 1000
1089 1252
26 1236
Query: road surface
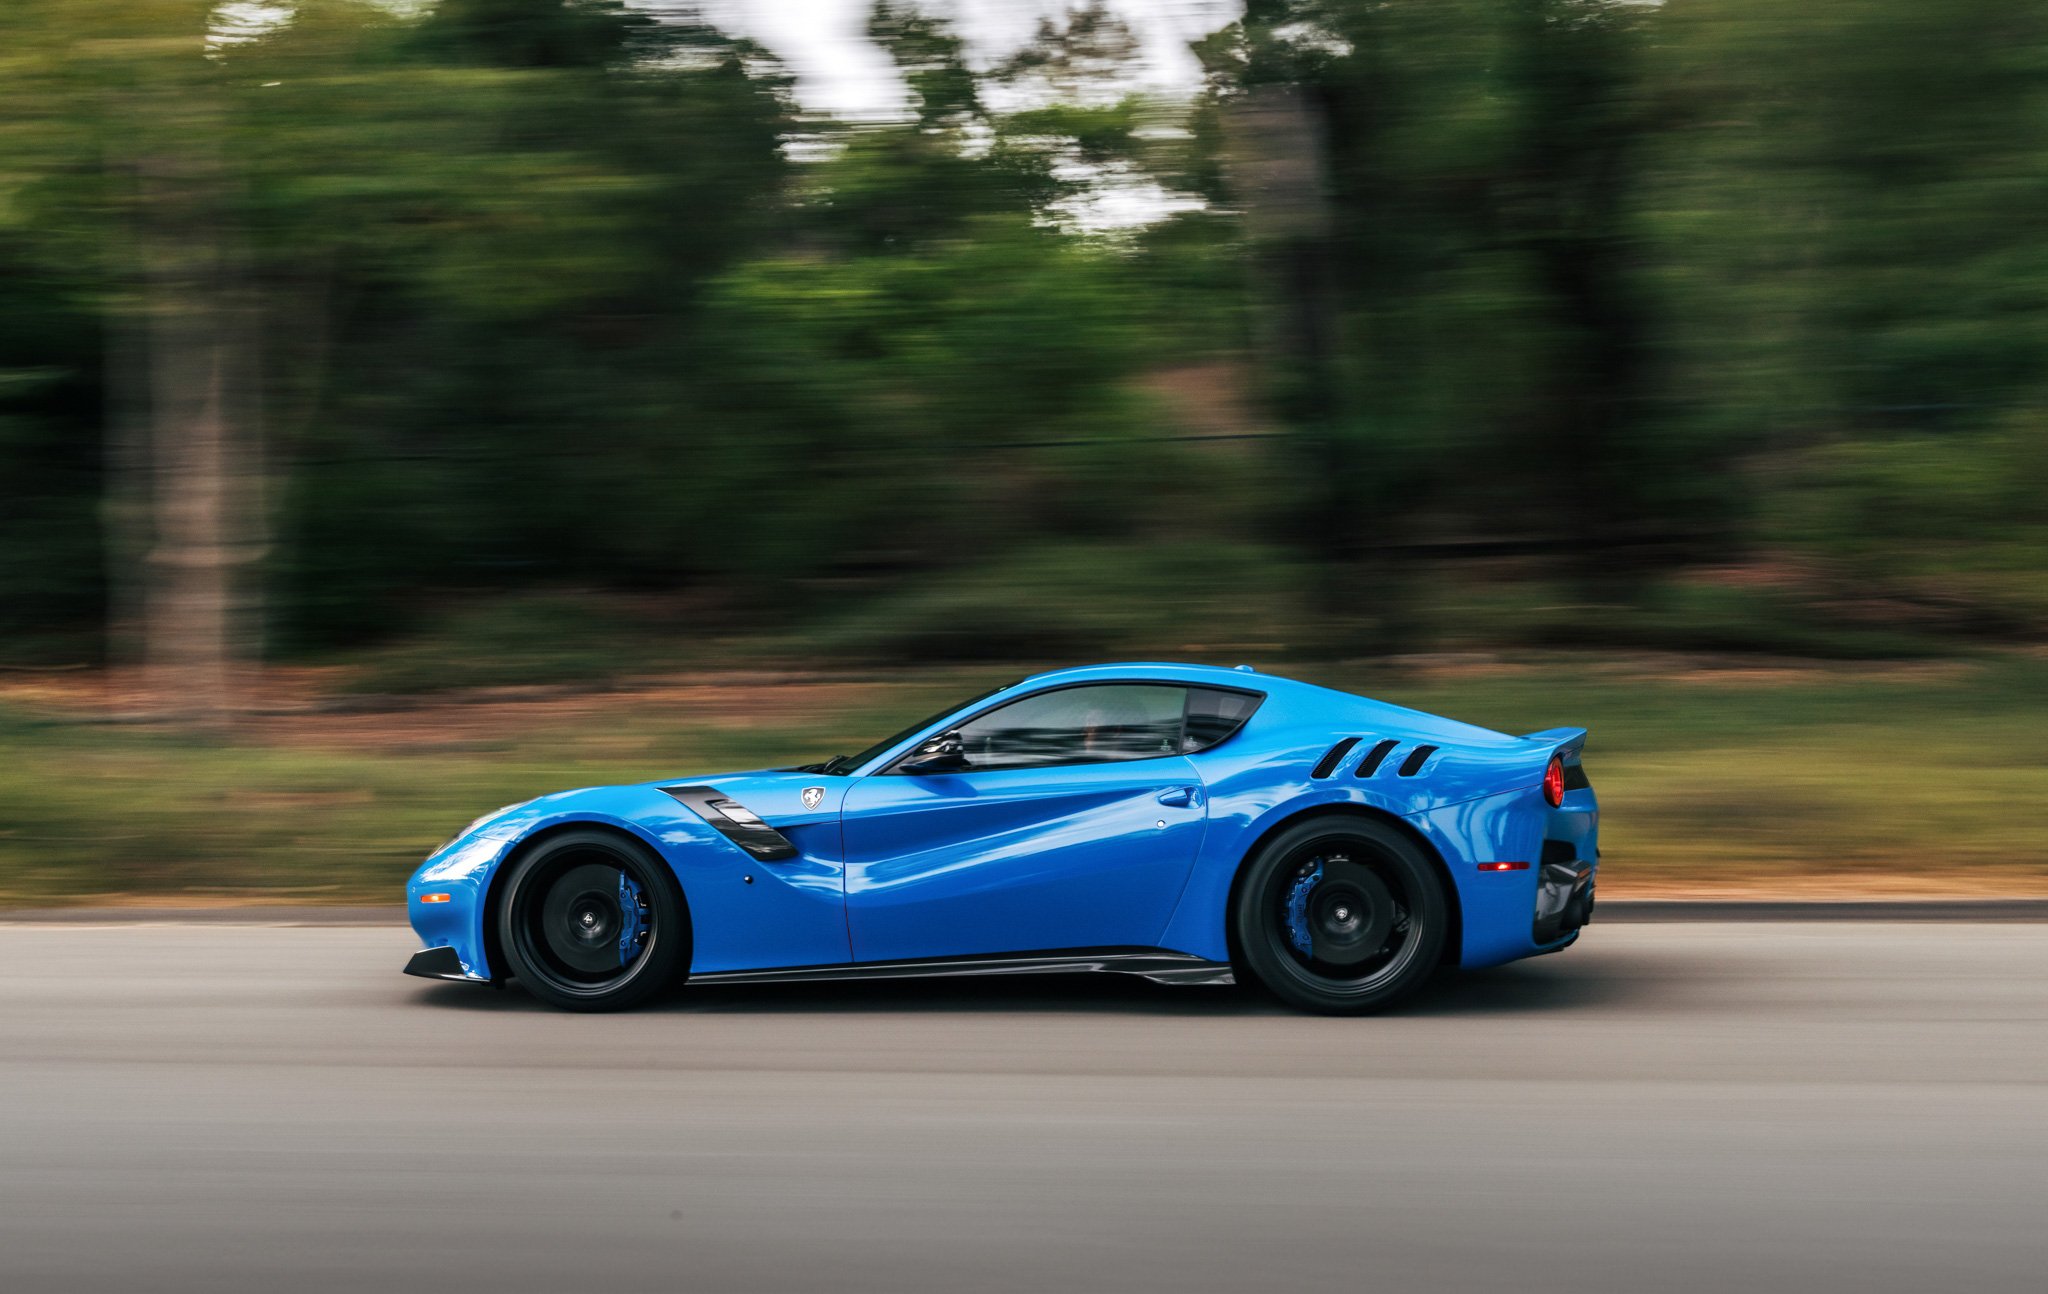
1786 1106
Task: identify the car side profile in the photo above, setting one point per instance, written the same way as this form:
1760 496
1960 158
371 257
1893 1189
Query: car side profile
1191 824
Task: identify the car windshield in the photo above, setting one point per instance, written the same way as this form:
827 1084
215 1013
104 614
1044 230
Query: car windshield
843 765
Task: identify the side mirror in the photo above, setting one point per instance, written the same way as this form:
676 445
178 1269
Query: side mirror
940 754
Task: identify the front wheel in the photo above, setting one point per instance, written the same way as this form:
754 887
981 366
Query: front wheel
593 921
1340 915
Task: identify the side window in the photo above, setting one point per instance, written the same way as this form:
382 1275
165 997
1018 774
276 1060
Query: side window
1214 714
1077 725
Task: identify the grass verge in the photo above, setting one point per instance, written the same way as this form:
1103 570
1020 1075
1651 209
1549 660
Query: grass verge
1839 779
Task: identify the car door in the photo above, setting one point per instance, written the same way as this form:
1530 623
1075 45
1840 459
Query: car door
1071 823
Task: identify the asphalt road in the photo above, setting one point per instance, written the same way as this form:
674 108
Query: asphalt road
1785 1106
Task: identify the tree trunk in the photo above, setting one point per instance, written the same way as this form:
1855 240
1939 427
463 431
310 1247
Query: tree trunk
202 471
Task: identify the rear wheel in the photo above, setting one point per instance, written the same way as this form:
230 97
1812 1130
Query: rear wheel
593 921
1340 915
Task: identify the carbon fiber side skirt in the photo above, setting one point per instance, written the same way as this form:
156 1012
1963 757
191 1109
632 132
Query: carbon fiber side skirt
1157 965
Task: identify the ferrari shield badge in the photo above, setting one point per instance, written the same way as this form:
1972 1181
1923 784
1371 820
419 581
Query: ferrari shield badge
813 794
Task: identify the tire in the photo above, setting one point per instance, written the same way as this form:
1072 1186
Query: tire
1364 898
569 925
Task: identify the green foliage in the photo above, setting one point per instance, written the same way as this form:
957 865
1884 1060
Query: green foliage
52 568
1879 240
926 402
1957 522
1696 614
1493 337
1849 200
933 60
547 299
1070 601
545 638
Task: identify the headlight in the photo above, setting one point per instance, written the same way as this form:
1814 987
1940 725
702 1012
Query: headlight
479 821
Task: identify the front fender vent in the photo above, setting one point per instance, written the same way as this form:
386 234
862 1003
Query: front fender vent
735 822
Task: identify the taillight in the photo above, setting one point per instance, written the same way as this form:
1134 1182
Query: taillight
1553 781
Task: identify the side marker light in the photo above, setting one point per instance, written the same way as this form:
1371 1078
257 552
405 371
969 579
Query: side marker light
1503 867
435 898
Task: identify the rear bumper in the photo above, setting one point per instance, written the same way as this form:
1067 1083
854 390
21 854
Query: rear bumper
442 962
1564 900
1507 913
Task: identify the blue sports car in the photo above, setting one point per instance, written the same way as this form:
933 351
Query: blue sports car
1187 823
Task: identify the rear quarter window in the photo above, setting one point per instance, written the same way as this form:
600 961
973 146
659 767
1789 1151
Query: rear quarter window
1213 714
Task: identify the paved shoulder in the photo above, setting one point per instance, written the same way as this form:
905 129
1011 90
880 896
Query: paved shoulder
1703 1106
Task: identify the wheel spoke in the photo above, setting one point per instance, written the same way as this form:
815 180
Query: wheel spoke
1338 915
587 923
1350 914
589 920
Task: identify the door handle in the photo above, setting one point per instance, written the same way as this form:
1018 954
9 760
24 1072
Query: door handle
1180 797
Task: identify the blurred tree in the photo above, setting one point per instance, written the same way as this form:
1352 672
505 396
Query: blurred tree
52 574
1071 116
1086 57
932 57
936 362
1472 342
504 228
1846 200
568 293
532 33
120 138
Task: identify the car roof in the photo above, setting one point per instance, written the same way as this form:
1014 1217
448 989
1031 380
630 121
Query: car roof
1174 671
1338 708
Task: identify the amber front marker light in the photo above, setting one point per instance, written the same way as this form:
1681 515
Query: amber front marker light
1503 867
435 898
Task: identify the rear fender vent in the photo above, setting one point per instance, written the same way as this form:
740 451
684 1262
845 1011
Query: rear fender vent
1416 759
1333 757
1375 757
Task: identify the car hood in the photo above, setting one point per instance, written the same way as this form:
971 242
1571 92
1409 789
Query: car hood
775 795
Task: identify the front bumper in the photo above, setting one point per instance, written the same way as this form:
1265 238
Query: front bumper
451 927
442 962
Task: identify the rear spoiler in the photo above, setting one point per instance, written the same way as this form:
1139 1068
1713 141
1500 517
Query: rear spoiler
1568 742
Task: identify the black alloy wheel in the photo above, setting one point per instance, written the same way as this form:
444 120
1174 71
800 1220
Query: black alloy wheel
593 921
1340 915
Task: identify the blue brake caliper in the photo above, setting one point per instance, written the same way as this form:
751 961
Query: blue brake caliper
633 930
1297 909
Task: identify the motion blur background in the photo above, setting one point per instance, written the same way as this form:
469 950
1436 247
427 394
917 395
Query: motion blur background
411 406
